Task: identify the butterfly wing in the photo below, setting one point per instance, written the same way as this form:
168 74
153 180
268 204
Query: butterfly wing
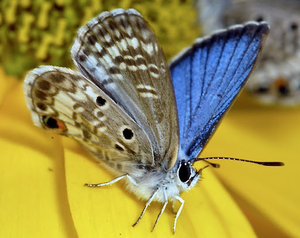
64 101
276 79
208 76
119 53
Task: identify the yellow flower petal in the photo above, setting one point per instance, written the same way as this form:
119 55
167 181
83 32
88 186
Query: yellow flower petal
268 196
33 192
7 84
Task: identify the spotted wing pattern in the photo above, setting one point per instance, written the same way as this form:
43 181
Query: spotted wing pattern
119 53
64 101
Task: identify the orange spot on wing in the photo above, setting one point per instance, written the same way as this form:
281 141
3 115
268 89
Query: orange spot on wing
61 125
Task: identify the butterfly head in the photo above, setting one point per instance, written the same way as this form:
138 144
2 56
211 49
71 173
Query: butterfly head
187 175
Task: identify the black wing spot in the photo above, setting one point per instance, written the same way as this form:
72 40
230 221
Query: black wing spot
50 122
100 101
53 123
128 134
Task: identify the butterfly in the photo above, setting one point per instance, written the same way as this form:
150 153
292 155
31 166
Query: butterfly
276 80
144 120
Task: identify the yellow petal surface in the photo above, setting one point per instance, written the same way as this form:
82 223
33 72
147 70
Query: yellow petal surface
33 201
269 196
42 192
7 83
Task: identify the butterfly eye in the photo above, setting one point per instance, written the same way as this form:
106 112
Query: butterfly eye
53 123
127 133
100 101
184 172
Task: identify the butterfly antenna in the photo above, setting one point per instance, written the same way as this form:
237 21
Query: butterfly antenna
235 159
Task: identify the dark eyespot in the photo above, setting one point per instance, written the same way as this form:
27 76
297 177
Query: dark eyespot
50 122
100 101
184 172
127 133
53 123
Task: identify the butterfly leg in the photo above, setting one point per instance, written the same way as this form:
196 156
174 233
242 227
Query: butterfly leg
173 208
162 210
179 211
146 206
112 181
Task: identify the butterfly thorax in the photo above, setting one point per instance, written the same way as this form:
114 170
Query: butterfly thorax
167 184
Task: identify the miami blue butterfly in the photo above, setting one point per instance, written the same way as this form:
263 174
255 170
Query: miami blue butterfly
121 106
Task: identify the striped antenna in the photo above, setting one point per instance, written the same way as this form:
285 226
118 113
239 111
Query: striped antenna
264 163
